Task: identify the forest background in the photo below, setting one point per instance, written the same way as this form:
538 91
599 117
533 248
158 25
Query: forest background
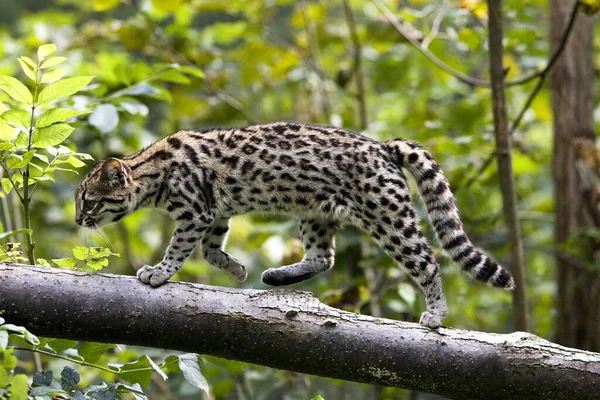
165 65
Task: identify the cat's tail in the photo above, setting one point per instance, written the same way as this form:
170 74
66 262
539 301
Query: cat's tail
443 214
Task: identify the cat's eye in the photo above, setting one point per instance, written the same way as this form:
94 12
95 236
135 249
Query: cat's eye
88 205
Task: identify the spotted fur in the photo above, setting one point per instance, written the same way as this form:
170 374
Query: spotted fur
323 176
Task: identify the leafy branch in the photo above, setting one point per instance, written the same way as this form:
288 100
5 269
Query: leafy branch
24 138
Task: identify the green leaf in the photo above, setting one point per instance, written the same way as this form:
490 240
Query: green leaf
18 117
53 75
65 87
18 387
140 371
81 253
17 162
51 135
6 185
29 61
91 351
2 107
104 5
97 265
45 50
28 69
65 262
15 89
174 76
69 377
22 139
75 162
7 146
190 367
52 61
60 345
55 115
194 71
7 132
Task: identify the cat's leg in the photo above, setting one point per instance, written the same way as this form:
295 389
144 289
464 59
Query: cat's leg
189 228
213 243
399 235
318 239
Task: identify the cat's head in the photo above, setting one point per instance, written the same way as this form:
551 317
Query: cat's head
104 194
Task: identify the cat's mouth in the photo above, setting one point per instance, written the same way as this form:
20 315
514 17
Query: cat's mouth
87 222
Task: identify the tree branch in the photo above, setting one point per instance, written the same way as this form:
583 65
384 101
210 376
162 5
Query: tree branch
292 330
407 31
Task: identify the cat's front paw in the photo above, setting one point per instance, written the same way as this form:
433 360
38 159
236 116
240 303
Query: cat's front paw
153 276
431 320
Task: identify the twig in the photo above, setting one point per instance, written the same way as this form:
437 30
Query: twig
408 35
405 30
358 70
542 75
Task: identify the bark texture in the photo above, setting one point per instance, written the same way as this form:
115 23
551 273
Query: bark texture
292 330
572 87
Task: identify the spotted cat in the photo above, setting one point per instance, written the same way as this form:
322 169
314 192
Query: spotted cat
325 177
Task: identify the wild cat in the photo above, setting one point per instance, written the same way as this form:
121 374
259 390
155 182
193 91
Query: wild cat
324 177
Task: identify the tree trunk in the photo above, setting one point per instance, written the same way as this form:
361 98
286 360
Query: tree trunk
572 87
505 170
292 330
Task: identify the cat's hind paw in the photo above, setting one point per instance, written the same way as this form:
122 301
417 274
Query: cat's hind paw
431 320
154 276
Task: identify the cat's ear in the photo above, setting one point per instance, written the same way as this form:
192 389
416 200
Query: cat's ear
115 173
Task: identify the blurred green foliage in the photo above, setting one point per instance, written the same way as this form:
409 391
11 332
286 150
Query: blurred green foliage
165 65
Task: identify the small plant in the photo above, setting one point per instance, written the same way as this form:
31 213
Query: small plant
31 131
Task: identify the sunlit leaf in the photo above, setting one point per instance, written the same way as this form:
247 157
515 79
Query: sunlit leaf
166 5
20 161
2 107
15 89
54 75
17 117
104 5
29 61
590 7
52 61
97 265
76 163
7 132
55 115
45 50
28 69
6 185
65 87
65 262
51 135
18 387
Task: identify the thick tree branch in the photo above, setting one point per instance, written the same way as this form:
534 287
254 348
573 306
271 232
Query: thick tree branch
292 330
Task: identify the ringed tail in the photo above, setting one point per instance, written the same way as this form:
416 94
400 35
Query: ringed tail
435 191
